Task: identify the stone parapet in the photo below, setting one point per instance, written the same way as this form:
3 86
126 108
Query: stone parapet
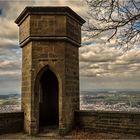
109 121
11 122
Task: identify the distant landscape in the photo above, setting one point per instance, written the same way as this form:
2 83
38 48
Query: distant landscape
109 100
10 102
112 100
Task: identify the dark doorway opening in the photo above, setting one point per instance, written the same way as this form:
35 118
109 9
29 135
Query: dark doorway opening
48 100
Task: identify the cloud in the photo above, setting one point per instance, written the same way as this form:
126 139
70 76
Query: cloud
78 6
4 6
10 53
7 43
9 29
9 76
98 54
102 63
101 60
9 65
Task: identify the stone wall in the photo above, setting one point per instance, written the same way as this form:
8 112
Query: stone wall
71 83
62 59
26 84
51 40
11 122
101 121
108 121
47 54
24 30
47 25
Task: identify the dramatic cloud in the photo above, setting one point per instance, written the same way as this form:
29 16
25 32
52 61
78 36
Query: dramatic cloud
103 66
8 29
9 65
102 63
10 53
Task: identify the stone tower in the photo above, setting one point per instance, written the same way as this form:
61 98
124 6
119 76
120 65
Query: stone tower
50 38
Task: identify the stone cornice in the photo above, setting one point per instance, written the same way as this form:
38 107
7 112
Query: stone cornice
48 11
47 38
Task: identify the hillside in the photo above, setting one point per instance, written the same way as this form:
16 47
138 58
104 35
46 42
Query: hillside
10 103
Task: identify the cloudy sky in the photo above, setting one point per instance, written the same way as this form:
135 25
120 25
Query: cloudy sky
102 65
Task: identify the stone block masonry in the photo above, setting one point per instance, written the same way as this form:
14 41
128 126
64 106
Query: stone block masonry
50 38
100 121
11 122
108 121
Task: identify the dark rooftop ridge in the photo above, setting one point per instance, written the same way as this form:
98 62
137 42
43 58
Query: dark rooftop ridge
44 10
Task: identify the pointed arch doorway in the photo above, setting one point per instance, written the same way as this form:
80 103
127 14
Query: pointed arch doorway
48 105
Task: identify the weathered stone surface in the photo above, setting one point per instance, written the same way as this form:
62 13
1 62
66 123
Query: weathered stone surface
50 38
52 22
11 122
107 121
24 31
48 25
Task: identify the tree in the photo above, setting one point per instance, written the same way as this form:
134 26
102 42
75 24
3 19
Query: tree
120 19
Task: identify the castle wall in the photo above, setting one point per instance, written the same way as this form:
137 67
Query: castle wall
101 121
108 121
11 122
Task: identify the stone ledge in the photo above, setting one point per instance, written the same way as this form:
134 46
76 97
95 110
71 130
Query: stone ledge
11 122
61 10
48 38
11 113
109 121
105 112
